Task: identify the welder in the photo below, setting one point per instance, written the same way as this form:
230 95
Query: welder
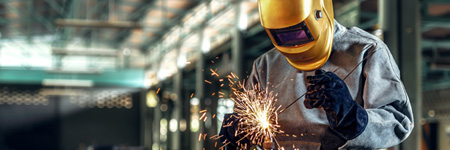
354 96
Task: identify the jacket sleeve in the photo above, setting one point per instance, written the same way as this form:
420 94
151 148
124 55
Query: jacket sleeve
386 101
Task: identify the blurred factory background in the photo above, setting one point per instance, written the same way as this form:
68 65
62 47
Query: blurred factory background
134 74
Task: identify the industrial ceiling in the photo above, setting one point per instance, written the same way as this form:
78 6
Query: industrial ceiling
91 36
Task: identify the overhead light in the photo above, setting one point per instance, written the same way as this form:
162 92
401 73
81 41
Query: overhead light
73 71
60 92
206 43
85 51
194 101
152 99
183 125
173 125
243 18
126 51
67 82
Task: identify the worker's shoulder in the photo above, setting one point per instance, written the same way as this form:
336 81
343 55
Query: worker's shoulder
356 36
271 55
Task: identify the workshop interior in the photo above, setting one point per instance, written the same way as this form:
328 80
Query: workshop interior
161 74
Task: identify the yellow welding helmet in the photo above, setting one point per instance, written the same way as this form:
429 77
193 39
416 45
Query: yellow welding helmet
302 30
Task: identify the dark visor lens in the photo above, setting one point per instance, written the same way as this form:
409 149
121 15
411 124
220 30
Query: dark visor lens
291 36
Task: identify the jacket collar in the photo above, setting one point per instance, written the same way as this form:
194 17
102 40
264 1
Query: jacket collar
338 29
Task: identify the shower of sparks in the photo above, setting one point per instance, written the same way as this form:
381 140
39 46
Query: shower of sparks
255 107
257 112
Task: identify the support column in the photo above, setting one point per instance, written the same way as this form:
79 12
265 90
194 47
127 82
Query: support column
145 133
199 89
156 134
237 39
176 114
388 21
410 65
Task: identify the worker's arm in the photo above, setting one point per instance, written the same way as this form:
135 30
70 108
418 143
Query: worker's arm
386 118
390 118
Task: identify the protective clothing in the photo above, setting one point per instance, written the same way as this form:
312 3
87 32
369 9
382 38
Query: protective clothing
302 30
328 91
375 85
228 129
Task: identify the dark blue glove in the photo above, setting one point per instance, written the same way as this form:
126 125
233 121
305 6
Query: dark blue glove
231 124
330 92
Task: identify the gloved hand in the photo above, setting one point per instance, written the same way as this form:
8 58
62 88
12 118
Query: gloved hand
330 92
228 133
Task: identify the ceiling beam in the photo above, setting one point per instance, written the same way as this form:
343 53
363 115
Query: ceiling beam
135 16
86 52
55 6
430 43
430 23
97 23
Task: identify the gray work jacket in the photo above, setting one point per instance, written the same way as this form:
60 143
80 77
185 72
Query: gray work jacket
375 85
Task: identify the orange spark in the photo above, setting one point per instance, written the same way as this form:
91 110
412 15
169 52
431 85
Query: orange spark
203 115
208 81
234 75
214 73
